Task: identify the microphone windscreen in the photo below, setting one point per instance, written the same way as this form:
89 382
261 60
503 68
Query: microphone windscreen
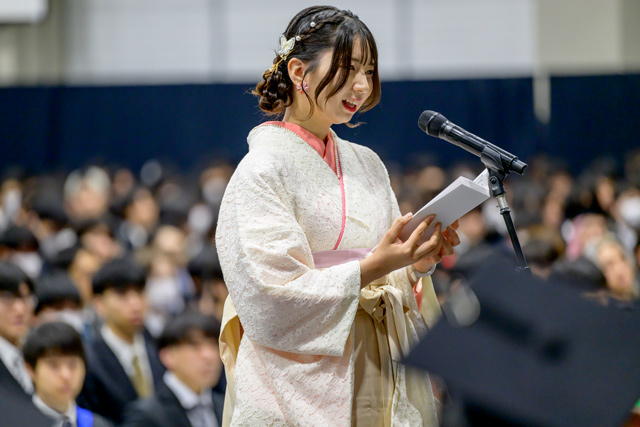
431 122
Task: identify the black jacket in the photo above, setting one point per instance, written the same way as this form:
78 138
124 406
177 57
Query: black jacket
16 407
107 388
164 409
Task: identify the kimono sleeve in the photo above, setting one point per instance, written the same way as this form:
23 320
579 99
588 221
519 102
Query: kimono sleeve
282 302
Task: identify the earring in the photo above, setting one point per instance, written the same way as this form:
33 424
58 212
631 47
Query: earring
302 88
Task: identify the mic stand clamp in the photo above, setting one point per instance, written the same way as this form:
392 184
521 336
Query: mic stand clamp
497 174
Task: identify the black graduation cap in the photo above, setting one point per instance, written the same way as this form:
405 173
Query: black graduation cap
53 287
538 354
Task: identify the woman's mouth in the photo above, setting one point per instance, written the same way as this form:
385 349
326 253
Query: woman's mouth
350 106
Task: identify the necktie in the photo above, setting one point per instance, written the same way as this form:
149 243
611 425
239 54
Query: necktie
66 422
198 415
138 379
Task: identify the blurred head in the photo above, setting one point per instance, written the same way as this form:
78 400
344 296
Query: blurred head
97 237
188 347
20 246
16 302
86 193
118 289
58 299
55 360
142 209
617 267
336 55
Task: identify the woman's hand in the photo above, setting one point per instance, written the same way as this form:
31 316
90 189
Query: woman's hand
450 239
392 253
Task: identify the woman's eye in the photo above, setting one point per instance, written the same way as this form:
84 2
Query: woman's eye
369 72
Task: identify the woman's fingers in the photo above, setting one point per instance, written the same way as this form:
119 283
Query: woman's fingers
431 246
397 226
446 249
419 231
452 235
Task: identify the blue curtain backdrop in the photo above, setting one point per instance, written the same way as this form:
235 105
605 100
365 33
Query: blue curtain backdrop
52 128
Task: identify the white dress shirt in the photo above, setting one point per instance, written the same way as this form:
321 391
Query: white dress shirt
199 407
125 353
70 414
12 358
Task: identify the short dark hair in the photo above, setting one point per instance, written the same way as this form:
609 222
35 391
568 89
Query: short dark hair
179 329
119 273
55 287
19 238
52 339
11 276
205 265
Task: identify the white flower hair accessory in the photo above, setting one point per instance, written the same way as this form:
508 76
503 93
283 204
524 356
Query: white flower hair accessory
286 46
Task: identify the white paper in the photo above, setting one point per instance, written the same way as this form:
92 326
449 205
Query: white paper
461 196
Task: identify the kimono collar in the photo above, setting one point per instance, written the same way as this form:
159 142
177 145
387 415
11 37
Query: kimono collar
327 152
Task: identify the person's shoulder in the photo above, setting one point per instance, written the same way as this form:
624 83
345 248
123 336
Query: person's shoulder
143 412
361 151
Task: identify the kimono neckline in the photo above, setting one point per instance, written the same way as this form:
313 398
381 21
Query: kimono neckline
326 151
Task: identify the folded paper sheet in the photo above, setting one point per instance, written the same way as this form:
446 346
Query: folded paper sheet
461 196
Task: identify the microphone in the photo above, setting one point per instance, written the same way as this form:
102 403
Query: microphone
435 124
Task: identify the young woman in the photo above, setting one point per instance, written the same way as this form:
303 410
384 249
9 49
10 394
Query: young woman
317 321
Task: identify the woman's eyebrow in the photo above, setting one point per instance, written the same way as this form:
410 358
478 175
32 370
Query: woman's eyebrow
359 61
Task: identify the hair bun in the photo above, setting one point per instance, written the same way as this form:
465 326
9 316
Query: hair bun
274 92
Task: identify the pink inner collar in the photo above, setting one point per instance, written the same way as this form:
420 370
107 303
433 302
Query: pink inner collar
327 152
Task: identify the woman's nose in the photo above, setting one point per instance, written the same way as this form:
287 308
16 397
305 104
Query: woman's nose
361 82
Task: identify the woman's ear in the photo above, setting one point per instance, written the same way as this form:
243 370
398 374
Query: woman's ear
296 69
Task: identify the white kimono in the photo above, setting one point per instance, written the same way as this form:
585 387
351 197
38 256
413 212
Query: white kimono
288 353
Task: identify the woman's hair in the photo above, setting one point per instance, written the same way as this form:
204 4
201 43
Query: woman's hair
333 29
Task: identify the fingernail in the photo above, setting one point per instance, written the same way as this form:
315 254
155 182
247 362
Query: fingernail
408 215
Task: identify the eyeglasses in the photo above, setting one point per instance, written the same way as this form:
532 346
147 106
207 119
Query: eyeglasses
8 298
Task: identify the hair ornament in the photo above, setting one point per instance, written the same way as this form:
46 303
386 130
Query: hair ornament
313 24
286 46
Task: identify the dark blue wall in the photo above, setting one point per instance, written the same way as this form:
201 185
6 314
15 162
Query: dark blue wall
47 128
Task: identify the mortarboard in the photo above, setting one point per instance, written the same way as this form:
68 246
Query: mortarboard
538 354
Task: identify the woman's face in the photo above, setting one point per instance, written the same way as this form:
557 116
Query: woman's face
341 107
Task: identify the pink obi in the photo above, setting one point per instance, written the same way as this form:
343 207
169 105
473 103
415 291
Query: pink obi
326 259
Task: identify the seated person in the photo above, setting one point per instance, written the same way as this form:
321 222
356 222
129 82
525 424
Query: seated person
58 299
188 348
16 309
55 360
123 364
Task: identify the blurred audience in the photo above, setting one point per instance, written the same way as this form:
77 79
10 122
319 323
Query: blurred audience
119 255
123 363
186 396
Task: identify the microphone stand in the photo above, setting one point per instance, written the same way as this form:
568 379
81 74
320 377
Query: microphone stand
497 173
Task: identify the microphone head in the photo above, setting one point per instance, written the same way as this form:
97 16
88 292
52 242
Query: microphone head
431 122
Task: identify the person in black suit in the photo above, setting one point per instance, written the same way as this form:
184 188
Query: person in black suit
55 359
122 361
188 348
16 309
